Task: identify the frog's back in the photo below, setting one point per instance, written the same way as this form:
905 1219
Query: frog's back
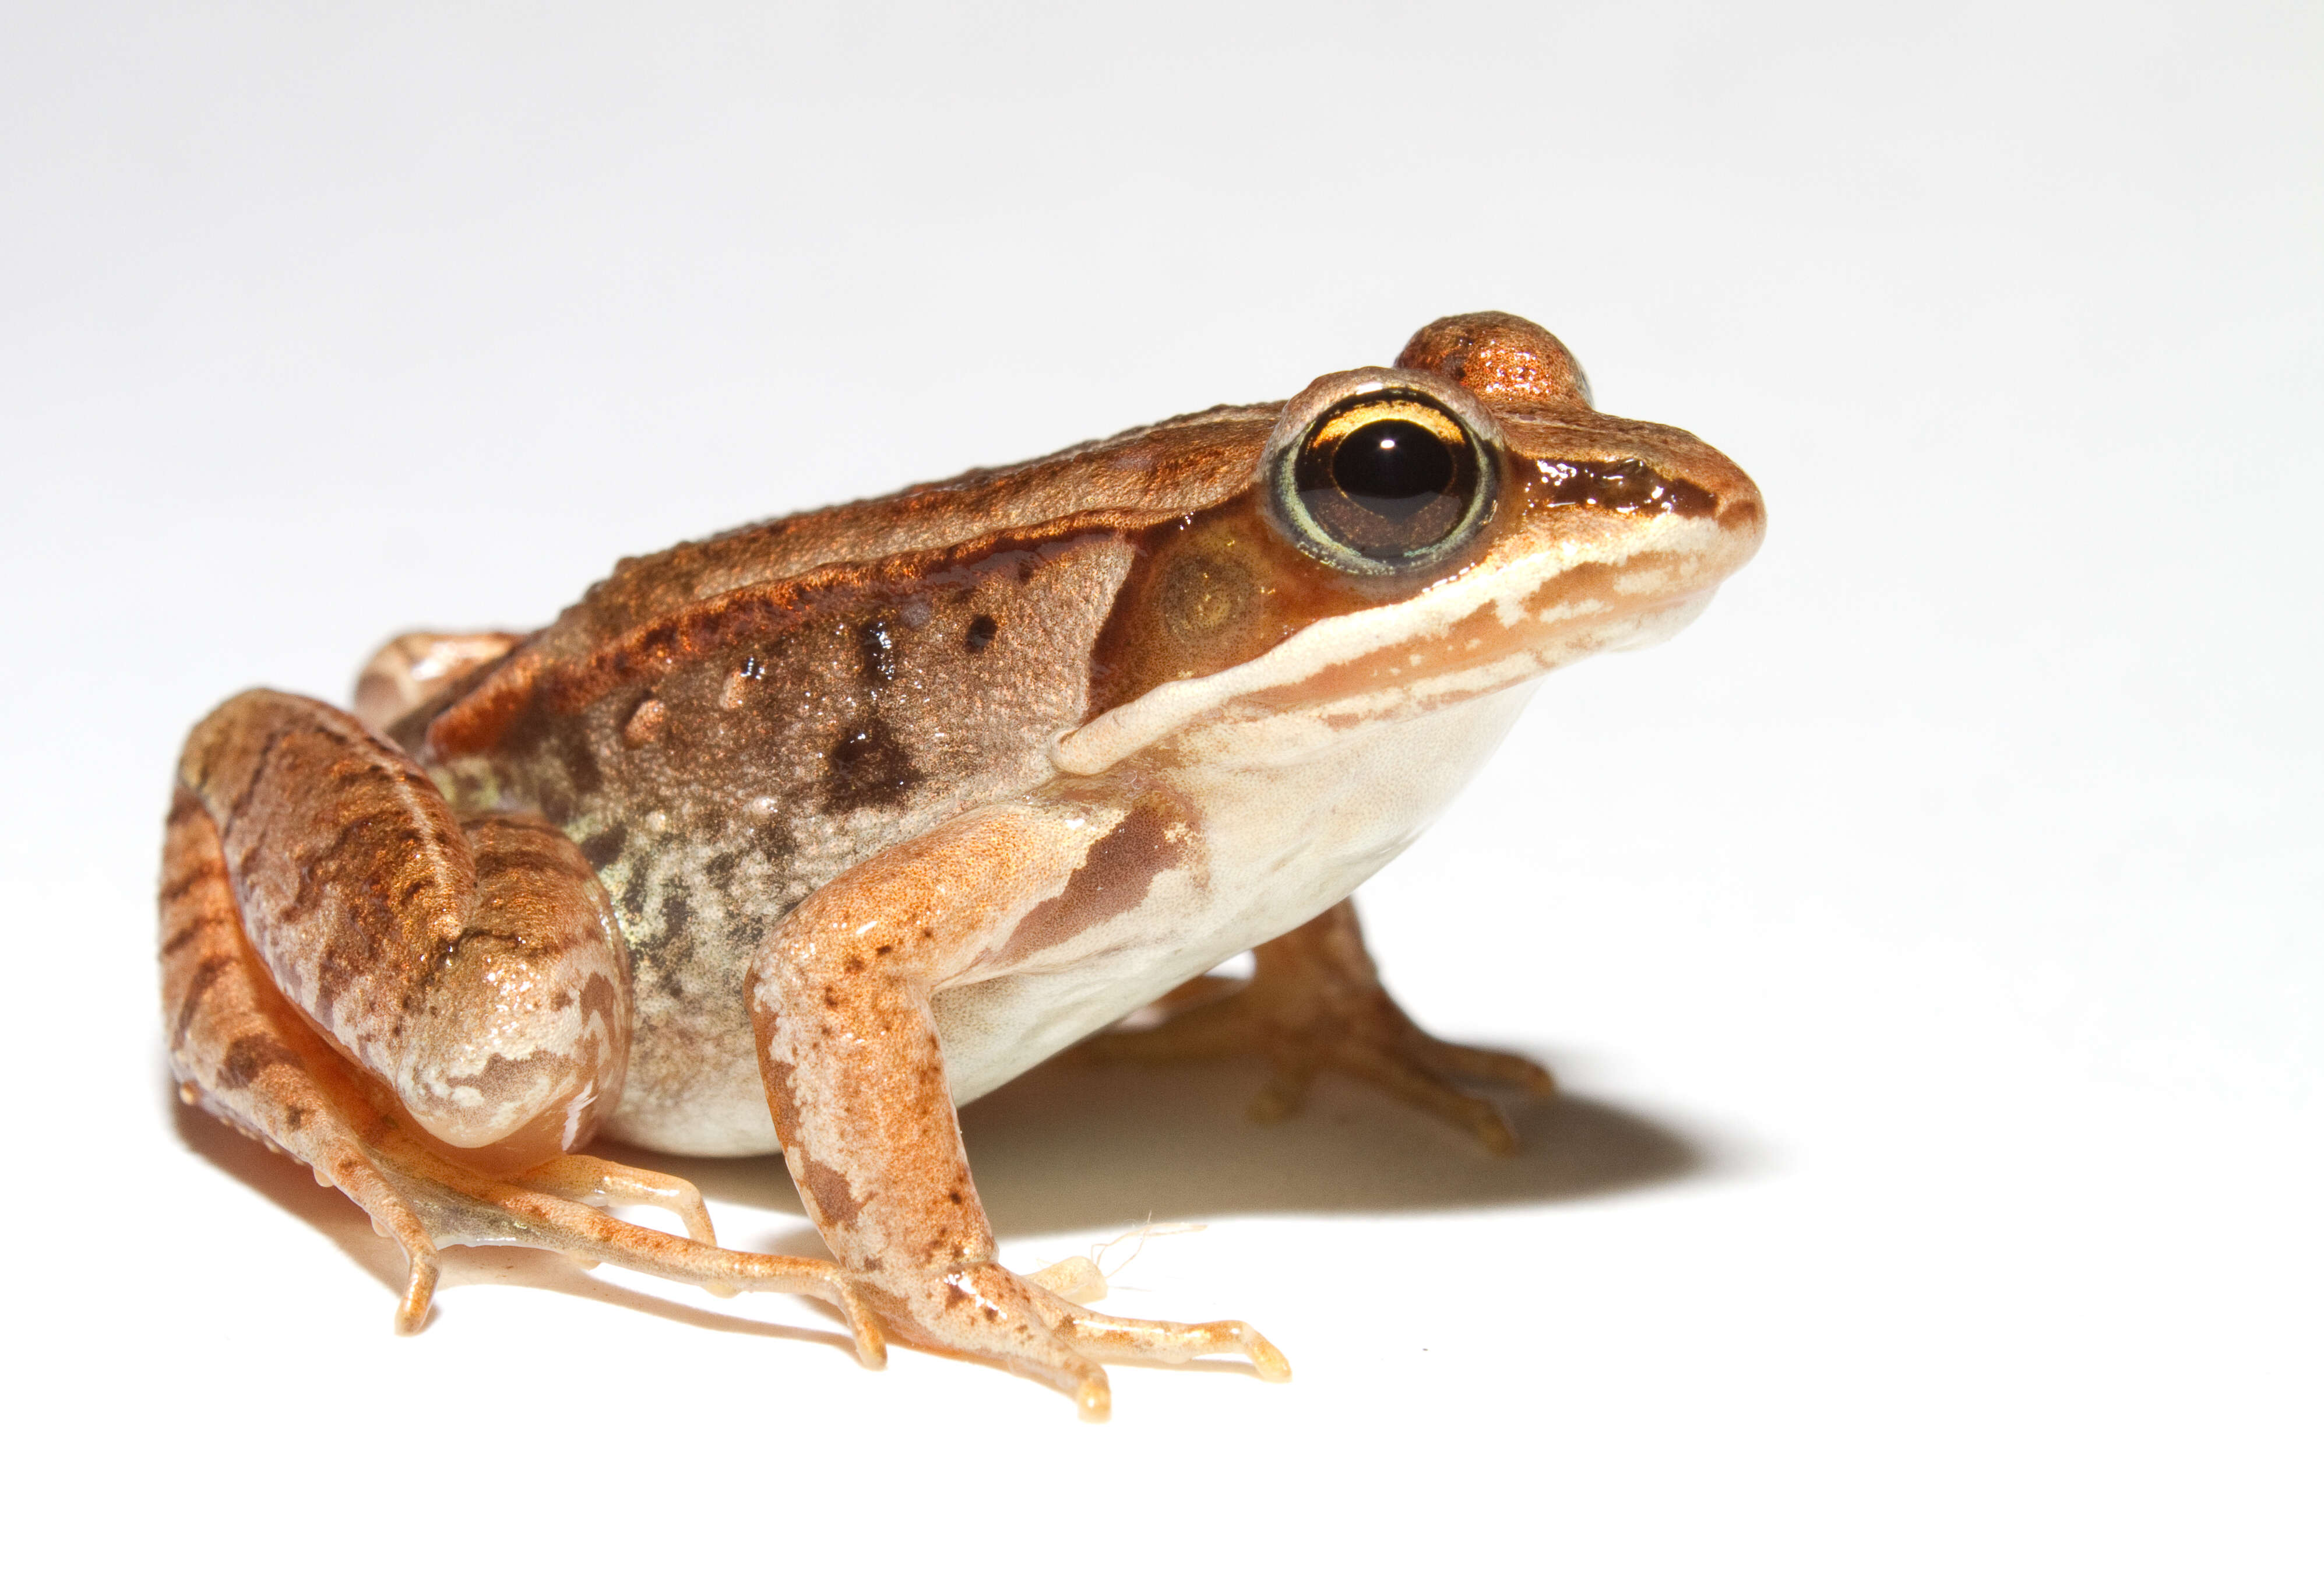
1122 482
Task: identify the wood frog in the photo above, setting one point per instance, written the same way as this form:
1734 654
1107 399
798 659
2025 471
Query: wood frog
795 839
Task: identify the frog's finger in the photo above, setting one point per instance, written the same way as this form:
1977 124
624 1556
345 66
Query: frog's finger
1395 1072
1486 1065
1316 1004
1152 1340
1147 1340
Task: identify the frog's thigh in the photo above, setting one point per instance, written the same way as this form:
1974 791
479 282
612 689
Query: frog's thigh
856 1081
1316 1003
243 1052
474 970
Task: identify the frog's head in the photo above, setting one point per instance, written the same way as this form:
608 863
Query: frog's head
1415 536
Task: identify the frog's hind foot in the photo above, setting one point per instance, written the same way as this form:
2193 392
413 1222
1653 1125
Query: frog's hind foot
424 1202
241 1052
1315 1004
550 1207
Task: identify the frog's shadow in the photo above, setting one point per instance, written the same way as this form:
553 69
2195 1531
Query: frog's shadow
1075 1146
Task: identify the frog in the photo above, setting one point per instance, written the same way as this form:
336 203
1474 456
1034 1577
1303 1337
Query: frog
796 838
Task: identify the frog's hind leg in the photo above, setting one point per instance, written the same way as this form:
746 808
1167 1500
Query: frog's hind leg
347 1083
1316 1003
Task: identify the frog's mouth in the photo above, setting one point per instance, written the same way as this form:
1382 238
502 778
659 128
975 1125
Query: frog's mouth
1499 625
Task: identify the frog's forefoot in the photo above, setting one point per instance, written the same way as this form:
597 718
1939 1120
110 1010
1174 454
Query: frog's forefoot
1316 1004
1145 1340
1018 1321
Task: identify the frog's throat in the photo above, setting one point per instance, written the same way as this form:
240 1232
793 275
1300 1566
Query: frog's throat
1539 637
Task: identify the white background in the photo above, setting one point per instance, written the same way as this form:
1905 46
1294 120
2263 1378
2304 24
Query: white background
1929 939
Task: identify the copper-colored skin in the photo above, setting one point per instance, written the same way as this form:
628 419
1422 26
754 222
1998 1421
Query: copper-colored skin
799 835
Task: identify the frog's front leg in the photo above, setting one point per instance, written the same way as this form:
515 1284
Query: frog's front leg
840 1000
430 1013
1315 1003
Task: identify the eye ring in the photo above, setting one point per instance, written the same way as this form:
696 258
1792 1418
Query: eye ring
1386 479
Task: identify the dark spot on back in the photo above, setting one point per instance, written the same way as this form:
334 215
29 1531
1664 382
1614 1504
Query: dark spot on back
868 767
981 630
581 767
599 849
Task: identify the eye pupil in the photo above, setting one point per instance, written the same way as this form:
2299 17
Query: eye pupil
1393 468
1390 480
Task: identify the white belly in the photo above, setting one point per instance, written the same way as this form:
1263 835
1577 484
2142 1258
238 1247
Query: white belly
1294 813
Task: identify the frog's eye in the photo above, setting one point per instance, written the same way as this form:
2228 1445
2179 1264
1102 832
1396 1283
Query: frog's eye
1385 480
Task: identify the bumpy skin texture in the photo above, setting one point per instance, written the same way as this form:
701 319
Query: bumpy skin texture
795 838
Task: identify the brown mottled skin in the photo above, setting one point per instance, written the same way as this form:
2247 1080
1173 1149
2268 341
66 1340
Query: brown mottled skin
796 835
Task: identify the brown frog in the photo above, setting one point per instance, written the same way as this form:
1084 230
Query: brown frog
798 838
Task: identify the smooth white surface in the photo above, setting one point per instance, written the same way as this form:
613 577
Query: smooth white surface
1931 937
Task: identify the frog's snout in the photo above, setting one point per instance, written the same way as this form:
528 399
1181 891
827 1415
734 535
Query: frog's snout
1713 478
1741 510
1710 485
